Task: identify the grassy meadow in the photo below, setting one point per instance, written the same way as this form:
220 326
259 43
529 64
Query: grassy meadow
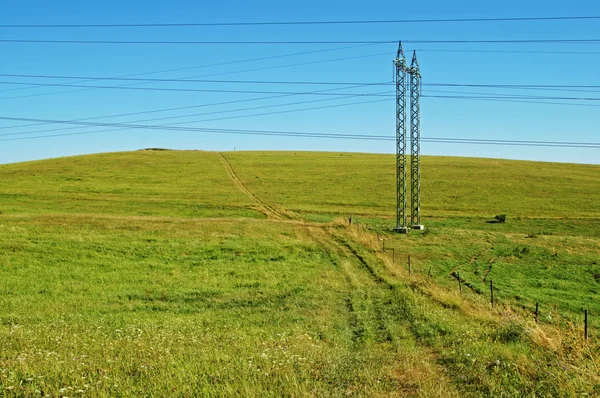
364 184
189 273
146 183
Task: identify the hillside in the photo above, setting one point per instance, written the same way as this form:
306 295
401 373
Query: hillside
190 273
196 184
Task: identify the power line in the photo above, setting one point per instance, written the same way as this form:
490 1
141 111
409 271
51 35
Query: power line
211 113
192 42
182 89
224 73
512 98
491 97
187 80
555 144
592 145
213 74
500 41
519 141
500 99
235 62
507 51
518 86
190 80
329 22
525 89
284 82
515 97
296 82
299 93
519 96
211 104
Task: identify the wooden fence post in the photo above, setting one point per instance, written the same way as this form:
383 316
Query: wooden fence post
585 321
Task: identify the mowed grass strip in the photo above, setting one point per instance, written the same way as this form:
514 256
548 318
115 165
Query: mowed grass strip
342 183
154 183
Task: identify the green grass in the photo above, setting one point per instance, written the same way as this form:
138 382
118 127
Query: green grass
192 307
153 183
160 273
342 183
557 267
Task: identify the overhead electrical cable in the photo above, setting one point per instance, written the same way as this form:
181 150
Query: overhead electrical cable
518 86
592 145
286 82
209 105
498 99
514 96
507 51
208 75
182 89
321 82
512 92
211 113
526 89
471 96
235 62
278 92
192 80
306 42
327 22
488 98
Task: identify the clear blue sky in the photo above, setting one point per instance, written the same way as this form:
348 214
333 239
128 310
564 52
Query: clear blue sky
453 118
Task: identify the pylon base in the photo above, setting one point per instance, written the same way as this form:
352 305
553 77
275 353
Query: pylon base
418 227
401 230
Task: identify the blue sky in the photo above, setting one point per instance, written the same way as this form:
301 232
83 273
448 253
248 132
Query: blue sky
441 117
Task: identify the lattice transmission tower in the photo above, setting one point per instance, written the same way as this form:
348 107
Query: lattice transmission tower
401 70
415 144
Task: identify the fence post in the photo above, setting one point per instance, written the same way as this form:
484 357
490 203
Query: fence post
459 282
409 266
492 292
537 311
586 325
393 256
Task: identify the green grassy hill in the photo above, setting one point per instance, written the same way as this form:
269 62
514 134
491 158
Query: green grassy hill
364 183
196 184
189 273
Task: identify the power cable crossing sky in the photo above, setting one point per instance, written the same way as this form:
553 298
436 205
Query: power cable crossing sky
495 83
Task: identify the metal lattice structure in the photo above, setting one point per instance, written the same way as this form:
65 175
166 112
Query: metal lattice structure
415 144
401 70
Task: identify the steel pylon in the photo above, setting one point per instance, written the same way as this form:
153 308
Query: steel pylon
415 143
401 70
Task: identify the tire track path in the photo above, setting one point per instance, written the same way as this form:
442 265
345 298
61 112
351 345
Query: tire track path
265 208
376 317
